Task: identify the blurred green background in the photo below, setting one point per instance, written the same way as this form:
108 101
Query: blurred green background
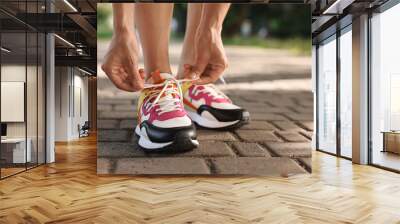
281 26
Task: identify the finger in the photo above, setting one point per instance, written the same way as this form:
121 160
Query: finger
198 68
204 80
215 71
210 75
187 72
121 82
142 73
122 74
135 78
114 75
106 68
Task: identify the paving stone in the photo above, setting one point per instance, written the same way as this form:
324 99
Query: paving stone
250 150
256 135
254 98
119 149
161 166
203 134
117 114
308 103
258 125
125 107
279 102
306 161
267 117
108 135
124 150
287 125
114 100
256 166
292 136
263 108
302 109
249 105
128 123
210 149
290 149
104 107
309 125
308 134
104 165
107 124
300 116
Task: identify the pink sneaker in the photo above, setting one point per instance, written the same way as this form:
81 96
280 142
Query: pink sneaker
163 124
208 107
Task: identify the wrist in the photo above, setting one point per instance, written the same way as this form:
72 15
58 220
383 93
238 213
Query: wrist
122 30
123 18
124 34
213 15
213 29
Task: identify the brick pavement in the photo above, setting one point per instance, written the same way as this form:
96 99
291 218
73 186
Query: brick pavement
276 142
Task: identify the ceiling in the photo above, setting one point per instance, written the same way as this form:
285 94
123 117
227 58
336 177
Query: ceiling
74 22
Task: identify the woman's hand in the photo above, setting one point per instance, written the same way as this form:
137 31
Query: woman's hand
208 60
209 57
121 62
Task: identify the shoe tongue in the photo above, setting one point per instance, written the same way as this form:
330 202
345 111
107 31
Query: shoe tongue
157 77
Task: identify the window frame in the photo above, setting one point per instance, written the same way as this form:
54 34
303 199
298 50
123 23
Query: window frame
378 10
339 28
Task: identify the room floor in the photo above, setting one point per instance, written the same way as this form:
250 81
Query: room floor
70 191
386 159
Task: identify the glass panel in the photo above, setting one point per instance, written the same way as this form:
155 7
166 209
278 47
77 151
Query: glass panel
22 87
346 93
327 95
13 86
385 84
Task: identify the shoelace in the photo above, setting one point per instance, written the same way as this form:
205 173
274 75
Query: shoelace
213 91
165 98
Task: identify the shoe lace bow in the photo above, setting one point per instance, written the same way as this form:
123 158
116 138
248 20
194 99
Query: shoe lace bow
166 97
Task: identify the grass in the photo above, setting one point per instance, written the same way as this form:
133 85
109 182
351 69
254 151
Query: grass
103 34
301 46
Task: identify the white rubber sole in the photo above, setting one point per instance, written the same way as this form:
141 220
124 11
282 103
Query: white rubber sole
146 143
207 123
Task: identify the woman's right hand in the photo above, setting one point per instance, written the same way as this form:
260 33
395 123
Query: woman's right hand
121 62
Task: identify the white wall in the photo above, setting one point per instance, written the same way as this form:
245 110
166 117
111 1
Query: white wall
62 80
69 82
79 117
12 73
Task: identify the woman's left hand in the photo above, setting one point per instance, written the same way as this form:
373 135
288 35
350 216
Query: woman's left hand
209 57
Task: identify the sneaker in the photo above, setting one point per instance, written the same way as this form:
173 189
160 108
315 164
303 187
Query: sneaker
208 107
163 124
